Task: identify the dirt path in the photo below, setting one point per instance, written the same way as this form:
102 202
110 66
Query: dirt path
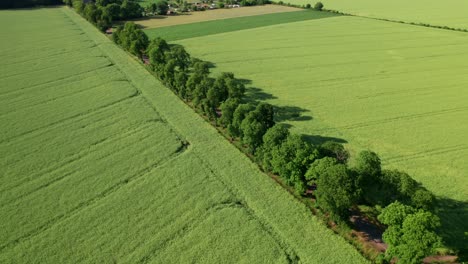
367 231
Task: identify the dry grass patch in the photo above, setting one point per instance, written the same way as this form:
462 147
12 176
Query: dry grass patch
164 21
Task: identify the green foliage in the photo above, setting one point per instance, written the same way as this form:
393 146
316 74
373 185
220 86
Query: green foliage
131 38
156 51
410 234
130 9
178 54
272 140
227 110
335 150
336 190
240 113
318 6
318 168
292 159
6 4
255 124
160 7
368 164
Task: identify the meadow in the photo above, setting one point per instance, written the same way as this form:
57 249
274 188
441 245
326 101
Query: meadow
451 13
184 31
101 163
397 89
209 15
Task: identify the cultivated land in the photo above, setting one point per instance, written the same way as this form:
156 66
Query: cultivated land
205 28
100 163
397 89
193 17
451 13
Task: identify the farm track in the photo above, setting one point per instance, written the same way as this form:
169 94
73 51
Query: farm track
425 154
287 249
399 118
59 54
76 92
16 100
84 60
110 104
10 190
62 78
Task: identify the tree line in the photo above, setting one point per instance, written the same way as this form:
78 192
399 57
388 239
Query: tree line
102 13
5 4
337 185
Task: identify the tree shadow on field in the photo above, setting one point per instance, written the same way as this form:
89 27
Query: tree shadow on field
291 113
317 139
254 94
453 216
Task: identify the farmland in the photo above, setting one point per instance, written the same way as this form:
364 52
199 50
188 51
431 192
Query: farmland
406 100
101 163
451 13
209 15
177 32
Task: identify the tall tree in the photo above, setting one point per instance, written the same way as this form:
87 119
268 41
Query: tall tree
336 190
410 234
255 125
272 140
239 115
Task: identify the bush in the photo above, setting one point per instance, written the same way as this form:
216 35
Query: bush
318 6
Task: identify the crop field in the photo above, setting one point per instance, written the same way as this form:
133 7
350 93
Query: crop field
365 82
99 163
178 32
451 13
216 14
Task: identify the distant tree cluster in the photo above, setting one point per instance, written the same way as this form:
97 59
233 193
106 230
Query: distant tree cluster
131 38
103 12
324 168
5 4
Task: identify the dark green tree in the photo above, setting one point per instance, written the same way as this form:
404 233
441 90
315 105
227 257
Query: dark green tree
410 234
112 10
335 150
181 78
272 140
227 111
240 113
179 55
255 125
162 7
292 159
336 191
156 50
317 168
318 6
130 9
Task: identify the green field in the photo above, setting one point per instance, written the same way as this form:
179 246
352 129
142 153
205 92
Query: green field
451 13
95 166
178 32
397 89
